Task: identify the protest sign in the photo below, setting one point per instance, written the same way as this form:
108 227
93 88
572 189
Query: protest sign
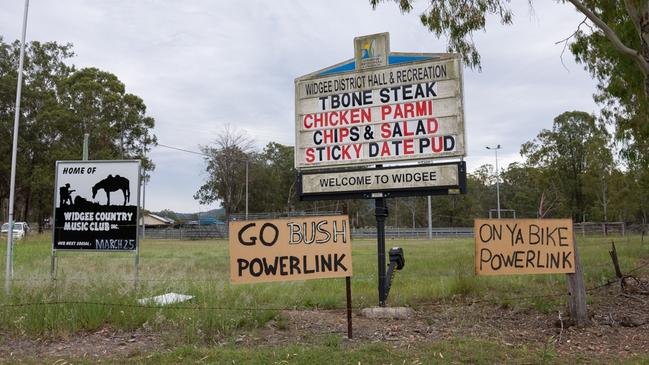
523 246
296 248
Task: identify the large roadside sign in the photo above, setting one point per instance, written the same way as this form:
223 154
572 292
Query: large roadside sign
296 248
524 246
380 108
96 205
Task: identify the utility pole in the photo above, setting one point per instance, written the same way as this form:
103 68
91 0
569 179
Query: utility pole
144 176
85 146
495 149
14 150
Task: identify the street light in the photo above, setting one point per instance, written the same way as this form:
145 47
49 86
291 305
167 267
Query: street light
495 149
14 149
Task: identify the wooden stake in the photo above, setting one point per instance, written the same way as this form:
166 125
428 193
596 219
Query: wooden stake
348 287
616 263
577 291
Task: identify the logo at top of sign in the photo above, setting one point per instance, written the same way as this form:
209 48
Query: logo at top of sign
368 48
371 51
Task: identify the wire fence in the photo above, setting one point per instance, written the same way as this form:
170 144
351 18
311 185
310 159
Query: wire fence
441 303
220 231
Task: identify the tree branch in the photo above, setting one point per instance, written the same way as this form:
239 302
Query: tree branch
633 14
612 36
565 41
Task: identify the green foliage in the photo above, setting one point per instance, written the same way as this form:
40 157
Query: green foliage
621 83
576 153
612 42
462 350
59 104
458 20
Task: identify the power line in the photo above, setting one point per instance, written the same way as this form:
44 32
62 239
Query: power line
183 150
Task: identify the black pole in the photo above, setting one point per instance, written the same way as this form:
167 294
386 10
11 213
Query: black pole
381 212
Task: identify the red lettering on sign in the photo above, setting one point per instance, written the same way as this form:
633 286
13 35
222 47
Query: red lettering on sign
385 150
386 131
337 118
408 146
407 110
437 144
357 149
328 136
344 132
433 125
310 156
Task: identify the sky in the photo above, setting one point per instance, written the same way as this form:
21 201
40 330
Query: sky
201 65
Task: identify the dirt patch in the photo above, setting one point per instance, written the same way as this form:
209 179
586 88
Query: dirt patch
87 345
619 326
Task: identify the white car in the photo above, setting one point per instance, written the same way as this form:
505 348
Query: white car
20 229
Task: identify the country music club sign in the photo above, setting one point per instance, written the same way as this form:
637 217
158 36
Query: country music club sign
380 107
96 205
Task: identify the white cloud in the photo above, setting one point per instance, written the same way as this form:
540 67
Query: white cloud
200 65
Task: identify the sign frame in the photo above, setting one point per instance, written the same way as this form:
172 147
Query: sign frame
136 251
461 188
419 58
137 200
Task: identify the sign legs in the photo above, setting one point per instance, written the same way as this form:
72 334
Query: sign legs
53 266
137 267
348 289
381 213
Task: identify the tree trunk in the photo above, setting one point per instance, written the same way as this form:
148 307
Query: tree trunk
28 195
642 25
413 219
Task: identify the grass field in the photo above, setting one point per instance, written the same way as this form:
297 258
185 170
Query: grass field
435 271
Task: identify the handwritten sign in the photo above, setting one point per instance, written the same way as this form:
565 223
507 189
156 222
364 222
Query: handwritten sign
523 246
297 248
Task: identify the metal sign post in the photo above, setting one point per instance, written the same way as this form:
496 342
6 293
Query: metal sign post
381 213
348 291
136 264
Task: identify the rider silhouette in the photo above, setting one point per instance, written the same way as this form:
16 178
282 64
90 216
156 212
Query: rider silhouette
65 195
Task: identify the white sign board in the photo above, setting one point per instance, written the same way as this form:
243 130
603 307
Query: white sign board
395 113
382 180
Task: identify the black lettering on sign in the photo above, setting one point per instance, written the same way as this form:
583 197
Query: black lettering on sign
252 240
261 234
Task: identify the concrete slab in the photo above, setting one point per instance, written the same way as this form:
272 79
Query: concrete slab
388 312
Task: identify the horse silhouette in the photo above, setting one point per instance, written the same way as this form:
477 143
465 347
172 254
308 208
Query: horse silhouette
113 183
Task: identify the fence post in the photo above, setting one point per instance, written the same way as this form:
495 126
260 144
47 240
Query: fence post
577 290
